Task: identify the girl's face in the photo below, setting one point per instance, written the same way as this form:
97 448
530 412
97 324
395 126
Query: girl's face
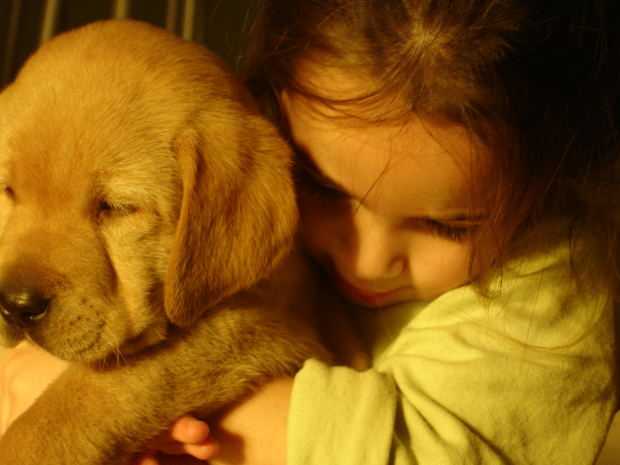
386 208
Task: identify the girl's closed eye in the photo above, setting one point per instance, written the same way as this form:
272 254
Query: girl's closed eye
315 185
322 189
453 232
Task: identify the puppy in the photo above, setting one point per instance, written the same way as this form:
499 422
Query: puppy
147 219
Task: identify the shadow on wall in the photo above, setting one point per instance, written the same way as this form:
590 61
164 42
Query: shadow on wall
222 25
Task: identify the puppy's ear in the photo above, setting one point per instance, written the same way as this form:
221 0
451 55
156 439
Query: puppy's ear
238 212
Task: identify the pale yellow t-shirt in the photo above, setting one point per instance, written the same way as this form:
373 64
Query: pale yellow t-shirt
525 377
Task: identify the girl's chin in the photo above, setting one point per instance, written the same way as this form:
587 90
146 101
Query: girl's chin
380 303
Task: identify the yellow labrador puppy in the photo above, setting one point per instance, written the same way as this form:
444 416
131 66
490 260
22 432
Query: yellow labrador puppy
147 216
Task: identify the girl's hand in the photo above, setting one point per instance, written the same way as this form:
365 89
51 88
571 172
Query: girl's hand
24 375
187 442
250 432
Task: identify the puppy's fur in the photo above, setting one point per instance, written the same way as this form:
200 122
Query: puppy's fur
145 203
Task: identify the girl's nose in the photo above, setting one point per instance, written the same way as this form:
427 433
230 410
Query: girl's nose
374 250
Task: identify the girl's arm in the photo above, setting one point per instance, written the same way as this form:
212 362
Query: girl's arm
254 431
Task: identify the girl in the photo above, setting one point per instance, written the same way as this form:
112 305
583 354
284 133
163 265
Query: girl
455 168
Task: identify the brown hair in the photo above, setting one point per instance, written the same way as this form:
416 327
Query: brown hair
537 81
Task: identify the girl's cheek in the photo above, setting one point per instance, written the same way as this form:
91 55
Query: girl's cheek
439 266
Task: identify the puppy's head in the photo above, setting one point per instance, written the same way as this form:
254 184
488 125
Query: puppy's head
139 188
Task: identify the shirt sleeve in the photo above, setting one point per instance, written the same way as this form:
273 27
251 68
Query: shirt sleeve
524 377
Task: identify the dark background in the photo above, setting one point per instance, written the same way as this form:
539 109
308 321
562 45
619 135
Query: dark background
222 25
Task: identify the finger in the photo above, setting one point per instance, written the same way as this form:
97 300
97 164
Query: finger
204 450
189 430
185 429
145 459
161 459
179 460
186 436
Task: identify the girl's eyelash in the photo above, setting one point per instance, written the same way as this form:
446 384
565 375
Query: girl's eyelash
310 184
447 231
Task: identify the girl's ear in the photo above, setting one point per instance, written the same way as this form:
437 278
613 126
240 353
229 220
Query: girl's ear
238 212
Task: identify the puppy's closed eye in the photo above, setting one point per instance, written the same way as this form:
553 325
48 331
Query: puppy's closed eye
8 191
111 210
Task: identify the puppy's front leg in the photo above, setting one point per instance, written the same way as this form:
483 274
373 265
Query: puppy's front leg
73 422
100 417
92 416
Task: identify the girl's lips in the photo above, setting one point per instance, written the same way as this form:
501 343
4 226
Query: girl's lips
362 296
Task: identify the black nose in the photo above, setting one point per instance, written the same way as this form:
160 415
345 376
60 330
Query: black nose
23 305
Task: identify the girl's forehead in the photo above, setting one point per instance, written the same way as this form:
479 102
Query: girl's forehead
350 87
413 167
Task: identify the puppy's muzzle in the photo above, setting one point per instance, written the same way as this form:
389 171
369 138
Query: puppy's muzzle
23 306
